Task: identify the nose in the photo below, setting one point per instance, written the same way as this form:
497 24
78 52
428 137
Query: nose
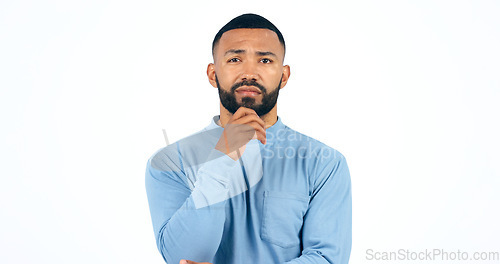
249 72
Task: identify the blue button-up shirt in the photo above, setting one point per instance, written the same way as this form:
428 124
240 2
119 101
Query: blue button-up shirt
288 201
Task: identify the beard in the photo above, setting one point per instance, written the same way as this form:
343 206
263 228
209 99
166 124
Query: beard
228 99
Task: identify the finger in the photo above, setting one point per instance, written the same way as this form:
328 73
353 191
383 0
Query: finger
243 111
260 138
260 132
249 118
252 125
255 132
247 131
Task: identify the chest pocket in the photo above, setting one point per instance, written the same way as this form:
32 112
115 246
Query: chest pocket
283 214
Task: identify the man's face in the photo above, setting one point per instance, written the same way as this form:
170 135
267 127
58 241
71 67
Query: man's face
248 69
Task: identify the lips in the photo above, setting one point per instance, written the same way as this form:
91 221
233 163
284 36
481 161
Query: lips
248 89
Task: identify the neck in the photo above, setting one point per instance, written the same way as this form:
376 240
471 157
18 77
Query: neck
269 118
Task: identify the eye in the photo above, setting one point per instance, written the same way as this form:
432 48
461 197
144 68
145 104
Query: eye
266 61
233 60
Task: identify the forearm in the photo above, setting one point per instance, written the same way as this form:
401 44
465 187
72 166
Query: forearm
310 258
192 233
189 223
327 229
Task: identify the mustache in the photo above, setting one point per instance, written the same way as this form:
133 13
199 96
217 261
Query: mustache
248 83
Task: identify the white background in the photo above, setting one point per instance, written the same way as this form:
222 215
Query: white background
408 91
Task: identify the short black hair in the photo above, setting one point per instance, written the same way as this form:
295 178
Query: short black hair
248 21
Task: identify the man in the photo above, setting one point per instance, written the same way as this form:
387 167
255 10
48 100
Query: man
247 188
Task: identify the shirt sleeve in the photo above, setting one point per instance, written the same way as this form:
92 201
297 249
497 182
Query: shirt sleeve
327 227
188 223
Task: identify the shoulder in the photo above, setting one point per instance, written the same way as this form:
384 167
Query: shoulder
316 149
166 158
323 161
182 152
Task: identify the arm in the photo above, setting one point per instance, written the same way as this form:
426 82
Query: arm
188 224
327 227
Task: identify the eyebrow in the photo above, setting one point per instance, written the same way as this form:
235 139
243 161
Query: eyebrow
259 53
236 51
266 53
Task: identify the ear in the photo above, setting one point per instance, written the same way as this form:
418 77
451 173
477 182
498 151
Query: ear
211 74
285 75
